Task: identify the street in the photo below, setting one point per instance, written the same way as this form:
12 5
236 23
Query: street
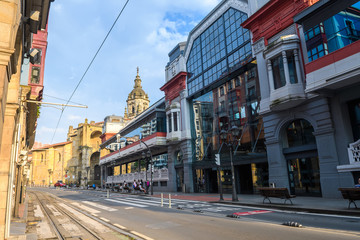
186 219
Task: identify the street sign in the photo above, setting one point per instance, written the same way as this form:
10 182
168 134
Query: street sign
217 159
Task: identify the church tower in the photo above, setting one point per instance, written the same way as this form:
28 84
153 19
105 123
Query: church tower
137 100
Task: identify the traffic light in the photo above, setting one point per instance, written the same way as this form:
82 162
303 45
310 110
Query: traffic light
217 159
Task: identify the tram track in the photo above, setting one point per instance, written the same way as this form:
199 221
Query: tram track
63 218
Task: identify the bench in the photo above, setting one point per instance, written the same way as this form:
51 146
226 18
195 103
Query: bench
282 193
352 194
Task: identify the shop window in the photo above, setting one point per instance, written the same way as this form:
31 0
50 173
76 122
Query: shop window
163 183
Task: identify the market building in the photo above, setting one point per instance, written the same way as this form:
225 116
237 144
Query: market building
308 66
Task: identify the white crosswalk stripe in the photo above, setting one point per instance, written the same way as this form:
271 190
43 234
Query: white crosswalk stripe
99 206
122 201
190 205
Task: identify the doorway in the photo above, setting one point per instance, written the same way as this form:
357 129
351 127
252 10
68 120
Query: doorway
304 176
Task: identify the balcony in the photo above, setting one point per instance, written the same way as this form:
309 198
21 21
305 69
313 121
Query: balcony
158 175
354 158
289 96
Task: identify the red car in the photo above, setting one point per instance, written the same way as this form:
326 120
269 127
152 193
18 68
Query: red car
59 184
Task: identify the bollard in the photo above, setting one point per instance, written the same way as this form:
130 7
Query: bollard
169 200
162 200
108 193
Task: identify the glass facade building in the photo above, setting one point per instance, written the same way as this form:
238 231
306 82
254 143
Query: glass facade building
223 89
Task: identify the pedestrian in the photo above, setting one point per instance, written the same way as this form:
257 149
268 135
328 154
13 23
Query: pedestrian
358 184
147 186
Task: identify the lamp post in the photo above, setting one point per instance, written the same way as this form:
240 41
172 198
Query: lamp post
145 157
151 172
225 135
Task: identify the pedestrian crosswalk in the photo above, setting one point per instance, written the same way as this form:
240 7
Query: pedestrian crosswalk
128 202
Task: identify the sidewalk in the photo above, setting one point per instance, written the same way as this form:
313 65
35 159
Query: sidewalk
301 204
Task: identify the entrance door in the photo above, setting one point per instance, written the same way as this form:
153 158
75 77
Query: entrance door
245 177
304 176
179 179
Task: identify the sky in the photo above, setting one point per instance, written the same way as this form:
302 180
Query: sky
143 36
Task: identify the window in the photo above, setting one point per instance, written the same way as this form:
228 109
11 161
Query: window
300 132
35 75
169 123
222 92
237 81
230 85
278 72
318 52
175 121
221 49
251 91
292 69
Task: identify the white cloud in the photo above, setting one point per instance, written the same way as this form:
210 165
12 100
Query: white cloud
57 7
143 36
74 117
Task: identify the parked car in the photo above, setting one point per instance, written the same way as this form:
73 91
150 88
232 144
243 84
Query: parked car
59 184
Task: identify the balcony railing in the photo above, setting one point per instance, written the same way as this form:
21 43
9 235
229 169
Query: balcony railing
158 175
354 152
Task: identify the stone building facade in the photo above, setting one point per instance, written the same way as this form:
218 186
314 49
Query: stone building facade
84 165
50 163
19 21
308 65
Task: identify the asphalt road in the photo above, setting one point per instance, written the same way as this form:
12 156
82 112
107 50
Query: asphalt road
194 219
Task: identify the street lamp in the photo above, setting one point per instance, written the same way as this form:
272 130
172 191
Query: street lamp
145 157
151 164
231 135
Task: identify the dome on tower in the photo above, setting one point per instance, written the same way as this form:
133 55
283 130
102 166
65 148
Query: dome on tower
137 100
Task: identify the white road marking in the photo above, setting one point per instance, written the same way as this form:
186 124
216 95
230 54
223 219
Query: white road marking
110 209
141 235
129 208
54 210
104 219
38 212
90 210
143 201
119 226
127 203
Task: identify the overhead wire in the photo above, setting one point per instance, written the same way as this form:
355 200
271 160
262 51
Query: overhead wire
62 99
87 69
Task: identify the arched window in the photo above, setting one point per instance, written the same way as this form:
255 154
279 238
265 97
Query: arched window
300 132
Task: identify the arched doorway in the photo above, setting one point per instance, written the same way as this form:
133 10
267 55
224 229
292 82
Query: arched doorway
94 167
300 152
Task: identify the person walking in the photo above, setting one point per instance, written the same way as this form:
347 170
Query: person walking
358 184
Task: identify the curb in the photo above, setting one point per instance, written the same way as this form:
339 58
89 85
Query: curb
351 212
